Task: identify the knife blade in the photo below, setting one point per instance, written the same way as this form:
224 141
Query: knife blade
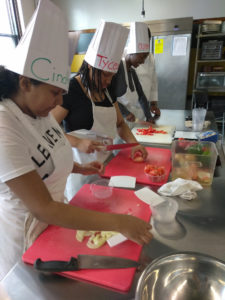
85 262
118 146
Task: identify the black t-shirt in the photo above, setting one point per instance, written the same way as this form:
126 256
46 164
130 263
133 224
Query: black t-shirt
79 106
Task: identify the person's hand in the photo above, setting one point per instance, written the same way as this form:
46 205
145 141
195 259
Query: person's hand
155 110
94 167
89 146
130 117
147 123
140 149
135 229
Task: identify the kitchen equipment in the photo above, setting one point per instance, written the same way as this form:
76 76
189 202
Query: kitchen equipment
118 146
182 276
57 243
211 26
212 49
122 164
101 189
157 138
194 160
85 262
211 80
167 36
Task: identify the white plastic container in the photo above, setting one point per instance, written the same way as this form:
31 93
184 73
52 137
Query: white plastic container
100 189
165 212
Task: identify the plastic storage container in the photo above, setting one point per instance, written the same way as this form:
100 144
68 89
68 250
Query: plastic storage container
165 212
100 189
194 160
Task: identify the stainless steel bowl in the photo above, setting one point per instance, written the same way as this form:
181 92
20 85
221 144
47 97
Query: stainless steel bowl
182 276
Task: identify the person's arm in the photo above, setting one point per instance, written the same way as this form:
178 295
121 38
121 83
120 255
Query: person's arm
126 134
84 145
154 90
36 197
126 113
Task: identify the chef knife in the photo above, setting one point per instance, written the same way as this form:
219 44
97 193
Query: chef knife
118 146
85 262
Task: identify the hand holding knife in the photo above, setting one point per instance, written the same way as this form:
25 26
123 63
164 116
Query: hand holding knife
117 146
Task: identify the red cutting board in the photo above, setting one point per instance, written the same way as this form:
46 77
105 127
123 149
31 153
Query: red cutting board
122 164
57 243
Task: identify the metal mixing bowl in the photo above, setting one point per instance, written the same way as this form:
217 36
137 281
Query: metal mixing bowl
182 276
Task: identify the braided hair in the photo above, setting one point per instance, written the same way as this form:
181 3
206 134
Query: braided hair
9 83
90 84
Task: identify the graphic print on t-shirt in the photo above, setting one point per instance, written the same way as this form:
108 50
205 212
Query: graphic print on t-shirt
42 157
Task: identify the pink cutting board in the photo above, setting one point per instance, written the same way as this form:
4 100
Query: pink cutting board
122 164
57 243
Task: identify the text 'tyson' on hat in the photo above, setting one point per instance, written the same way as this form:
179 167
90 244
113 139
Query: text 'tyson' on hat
106 47
42 52
138 41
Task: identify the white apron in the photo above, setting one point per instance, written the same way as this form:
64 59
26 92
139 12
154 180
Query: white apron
55 183
147 76
104 129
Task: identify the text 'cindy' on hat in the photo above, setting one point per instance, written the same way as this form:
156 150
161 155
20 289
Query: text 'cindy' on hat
139 40
106 47
42 52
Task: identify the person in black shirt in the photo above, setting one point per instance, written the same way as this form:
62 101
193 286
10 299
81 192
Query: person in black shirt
88 110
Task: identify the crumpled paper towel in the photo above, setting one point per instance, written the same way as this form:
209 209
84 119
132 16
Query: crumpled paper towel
186 189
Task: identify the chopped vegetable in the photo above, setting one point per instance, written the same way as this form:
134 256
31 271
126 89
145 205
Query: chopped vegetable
138 156
97 238
154 170
150 131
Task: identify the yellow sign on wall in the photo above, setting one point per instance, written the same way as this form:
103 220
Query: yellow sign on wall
77 62
158 46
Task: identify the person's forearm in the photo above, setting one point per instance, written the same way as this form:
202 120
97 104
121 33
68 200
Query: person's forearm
125 133
77 168
73 140
74 217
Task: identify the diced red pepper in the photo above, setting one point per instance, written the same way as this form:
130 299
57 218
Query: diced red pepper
149 131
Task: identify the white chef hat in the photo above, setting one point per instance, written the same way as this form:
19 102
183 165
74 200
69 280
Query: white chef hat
139 40
42 52
106 47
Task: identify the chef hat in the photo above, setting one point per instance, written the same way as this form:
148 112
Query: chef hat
42 52
139 40
106 47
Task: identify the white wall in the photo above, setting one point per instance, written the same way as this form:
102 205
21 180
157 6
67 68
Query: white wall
83 14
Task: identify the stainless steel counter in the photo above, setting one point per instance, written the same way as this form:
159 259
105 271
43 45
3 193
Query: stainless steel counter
199 227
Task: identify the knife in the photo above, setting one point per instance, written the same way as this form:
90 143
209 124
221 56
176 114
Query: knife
85 262
118 146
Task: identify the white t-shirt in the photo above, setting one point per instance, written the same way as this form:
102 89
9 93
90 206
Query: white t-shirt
20 153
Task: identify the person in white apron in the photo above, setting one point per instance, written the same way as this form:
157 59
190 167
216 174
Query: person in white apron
88 108
141 96
35 156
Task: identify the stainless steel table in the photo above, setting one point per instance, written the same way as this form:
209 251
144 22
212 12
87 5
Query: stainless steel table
199 227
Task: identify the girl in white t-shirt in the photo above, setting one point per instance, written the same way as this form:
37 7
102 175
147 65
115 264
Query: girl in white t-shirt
35 160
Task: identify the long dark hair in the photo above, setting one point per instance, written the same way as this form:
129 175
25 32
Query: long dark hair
90 84
9 83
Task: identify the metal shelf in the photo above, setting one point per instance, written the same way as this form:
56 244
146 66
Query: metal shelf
210 60
209 90
198 62
208 35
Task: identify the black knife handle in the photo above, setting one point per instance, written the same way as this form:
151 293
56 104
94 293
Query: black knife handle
56 265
